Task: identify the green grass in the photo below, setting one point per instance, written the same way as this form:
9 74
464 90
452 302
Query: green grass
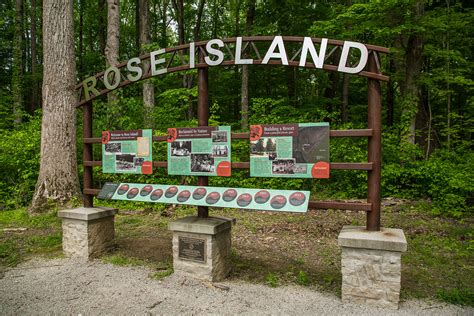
40 235
159 275
272 279
277 248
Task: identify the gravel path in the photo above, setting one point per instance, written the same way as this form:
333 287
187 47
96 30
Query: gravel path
67 286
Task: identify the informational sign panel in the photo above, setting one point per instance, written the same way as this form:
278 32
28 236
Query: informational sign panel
199 151
127 151
256 199
290 150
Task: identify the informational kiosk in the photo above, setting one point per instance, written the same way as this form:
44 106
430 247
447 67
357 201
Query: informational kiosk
310 53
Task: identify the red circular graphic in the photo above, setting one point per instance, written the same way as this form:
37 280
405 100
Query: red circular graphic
256 131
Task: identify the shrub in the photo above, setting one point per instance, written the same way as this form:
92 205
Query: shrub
19 163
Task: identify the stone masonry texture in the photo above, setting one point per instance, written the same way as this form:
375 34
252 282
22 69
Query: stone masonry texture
87 239
371 277
218 251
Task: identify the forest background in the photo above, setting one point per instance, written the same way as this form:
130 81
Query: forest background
427 105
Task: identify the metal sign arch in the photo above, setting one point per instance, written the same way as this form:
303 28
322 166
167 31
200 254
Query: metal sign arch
240 50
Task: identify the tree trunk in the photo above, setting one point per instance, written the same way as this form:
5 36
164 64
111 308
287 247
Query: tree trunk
197 28
178 6
81 38
148 91
34 61
17 75
291 85
112 48
331 90
102 26
244 90
345 98
390 96
58 180
410 89
189 79
164 24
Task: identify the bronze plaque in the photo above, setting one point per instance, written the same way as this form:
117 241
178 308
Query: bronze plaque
193 249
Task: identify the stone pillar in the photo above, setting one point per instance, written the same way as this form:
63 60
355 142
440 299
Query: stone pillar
202 247
371 265
87 232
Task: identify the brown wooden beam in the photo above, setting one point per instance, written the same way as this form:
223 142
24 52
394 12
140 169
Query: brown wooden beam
375 147
340 205
87 175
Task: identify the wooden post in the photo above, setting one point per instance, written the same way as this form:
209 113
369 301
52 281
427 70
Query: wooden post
88 200
375 145
203 119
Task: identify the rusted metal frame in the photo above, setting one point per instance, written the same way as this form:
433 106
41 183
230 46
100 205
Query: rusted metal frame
183 62
250 39
245 135
297 53
340 205
226 45
124 83
330 53
334 165
88 200
200 46
92 192
374 96
203 119
246 165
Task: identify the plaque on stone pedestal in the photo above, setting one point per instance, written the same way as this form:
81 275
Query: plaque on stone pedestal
193 249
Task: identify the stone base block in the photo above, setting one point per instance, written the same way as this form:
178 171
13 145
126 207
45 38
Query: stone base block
371 265
87 232
202 247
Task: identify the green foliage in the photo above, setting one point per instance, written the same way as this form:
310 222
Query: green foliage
272 279
19 163
457 296
162 273
9 254
21 218
445 178
302 278
121 260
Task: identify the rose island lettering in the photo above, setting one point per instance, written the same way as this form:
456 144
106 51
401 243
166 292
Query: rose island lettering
215 56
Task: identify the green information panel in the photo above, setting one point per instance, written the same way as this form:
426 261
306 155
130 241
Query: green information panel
290 150
200 151
256 199
127 151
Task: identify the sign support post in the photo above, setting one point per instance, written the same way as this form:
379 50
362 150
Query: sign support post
88 199
375 145
203 119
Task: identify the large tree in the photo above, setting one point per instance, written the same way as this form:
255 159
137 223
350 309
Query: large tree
113 40
148 90
244 91
17 77
58 180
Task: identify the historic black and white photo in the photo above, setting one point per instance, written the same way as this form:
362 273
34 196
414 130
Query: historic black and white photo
283 166
263 147
202 163
113 148
181 148
219 136
220 151
125 162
